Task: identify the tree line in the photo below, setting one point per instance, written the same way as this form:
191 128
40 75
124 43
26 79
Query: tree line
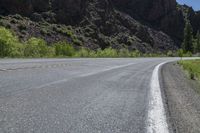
190 43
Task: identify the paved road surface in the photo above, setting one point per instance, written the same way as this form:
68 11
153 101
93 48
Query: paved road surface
75 95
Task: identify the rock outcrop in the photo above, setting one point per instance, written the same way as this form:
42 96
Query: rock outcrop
161 14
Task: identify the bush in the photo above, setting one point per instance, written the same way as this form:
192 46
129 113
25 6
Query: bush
64 49
83 52
188 54
108 52
9 44
36 47
64 30
124 53
17 50
135 53
180 53
170 54
45 31
51 52
92 54
77 42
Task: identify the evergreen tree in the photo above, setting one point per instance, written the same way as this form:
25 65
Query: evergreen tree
197 49
188 38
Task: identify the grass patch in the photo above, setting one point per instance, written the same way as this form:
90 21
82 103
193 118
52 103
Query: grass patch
192 67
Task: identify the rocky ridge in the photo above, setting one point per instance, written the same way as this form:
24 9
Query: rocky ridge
147 25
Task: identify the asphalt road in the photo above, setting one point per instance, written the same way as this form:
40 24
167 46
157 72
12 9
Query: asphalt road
76 95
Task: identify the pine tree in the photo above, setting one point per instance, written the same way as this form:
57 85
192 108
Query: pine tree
197 49
188 38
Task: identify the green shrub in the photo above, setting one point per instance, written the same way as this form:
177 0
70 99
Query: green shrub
9 44
92 54
170 54
64 30
51 52
180 53
76 41
17 50
135 53
36 47
124 53
45 31
64 49
192 67
83 52
188 54
108 52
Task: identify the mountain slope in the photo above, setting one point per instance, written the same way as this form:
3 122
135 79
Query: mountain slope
146 25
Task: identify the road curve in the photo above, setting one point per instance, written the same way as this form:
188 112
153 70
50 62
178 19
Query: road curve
76 95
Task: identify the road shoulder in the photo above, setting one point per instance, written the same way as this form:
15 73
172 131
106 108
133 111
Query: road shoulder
182 101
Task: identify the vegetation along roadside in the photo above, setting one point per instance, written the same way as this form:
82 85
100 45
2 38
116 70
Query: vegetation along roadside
192 67
12 47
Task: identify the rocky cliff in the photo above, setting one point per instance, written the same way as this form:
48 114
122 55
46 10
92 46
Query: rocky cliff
146 25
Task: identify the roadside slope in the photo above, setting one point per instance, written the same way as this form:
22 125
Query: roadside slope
182 100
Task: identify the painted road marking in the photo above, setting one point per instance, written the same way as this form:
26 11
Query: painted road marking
156 122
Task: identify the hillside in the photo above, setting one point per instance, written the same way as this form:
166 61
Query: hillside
147 25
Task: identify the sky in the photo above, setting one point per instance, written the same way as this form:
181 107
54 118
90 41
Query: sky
194 3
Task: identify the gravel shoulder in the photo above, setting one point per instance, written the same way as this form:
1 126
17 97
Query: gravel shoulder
181 98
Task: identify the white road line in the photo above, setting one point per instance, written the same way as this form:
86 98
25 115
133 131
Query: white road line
156 121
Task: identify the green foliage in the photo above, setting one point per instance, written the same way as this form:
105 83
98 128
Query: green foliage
83 52
135 53
17 50
51 52
76 41
188 54
44 31
188 38
64 49
180 53
64 30
9 44
197 43
108 52
170 54
124 53
92 54
153 55
36 48
192 66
